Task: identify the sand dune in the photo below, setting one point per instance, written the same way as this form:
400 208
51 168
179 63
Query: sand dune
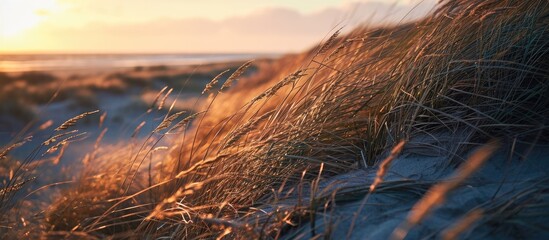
431 129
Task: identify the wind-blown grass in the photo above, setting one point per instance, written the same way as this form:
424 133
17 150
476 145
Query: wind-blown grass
251 166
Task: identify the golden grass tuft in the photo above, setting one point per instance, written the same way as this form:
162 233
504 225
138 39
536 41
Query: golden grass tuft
235 75
214 81
71 122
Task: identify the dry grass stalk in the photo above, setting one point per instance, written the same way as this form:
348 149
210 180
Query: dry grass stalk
385 164
287 80
342 46
71 122
236 75
163 100
186 190
168 121
462 225
201 164
99 138
213 82
337 51
102 119
138 129
156 98
185 121
15 187
437 194
63 142
5 152
57 158
57 136
247 127
328 44
55 147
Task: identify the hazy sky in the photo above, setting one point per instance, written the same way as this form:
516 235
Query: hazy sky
187 25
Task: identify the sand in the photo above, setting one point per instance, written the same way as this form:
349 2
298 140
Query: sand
503 182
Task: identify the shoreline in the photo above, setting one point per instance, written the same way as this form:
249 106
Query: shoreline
18 63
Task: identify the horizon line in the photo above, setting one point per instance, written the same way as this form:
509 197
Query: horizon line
139 53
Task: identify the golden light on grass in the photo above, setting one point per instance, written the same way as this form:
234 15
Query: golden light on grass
302 124
236 75
462 224
71 122
438 193
385 164
213 82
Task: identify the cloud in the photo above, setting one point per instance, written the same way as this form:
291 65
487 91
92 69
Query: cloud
267 30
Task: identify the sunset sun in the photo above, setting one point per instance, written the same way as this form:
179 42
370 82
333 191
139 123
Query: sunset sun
17 16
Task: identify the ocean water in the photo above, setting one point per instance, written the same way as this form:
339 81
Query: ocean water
47 62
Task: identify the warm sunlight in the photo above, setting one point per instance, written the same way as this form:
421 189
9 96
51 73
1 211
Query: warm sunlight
274 119
19 15
210 26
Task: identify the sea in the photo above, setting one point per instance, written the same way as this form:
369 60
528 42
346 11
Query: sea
49 62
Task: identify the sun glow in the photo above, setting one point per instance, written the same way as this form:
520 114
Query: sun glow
17 16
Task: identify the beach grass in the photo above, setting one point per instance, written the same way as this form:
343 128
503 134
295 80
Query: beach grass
257 156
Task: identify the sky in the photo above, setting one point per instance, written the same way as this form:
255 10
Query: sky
188 26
